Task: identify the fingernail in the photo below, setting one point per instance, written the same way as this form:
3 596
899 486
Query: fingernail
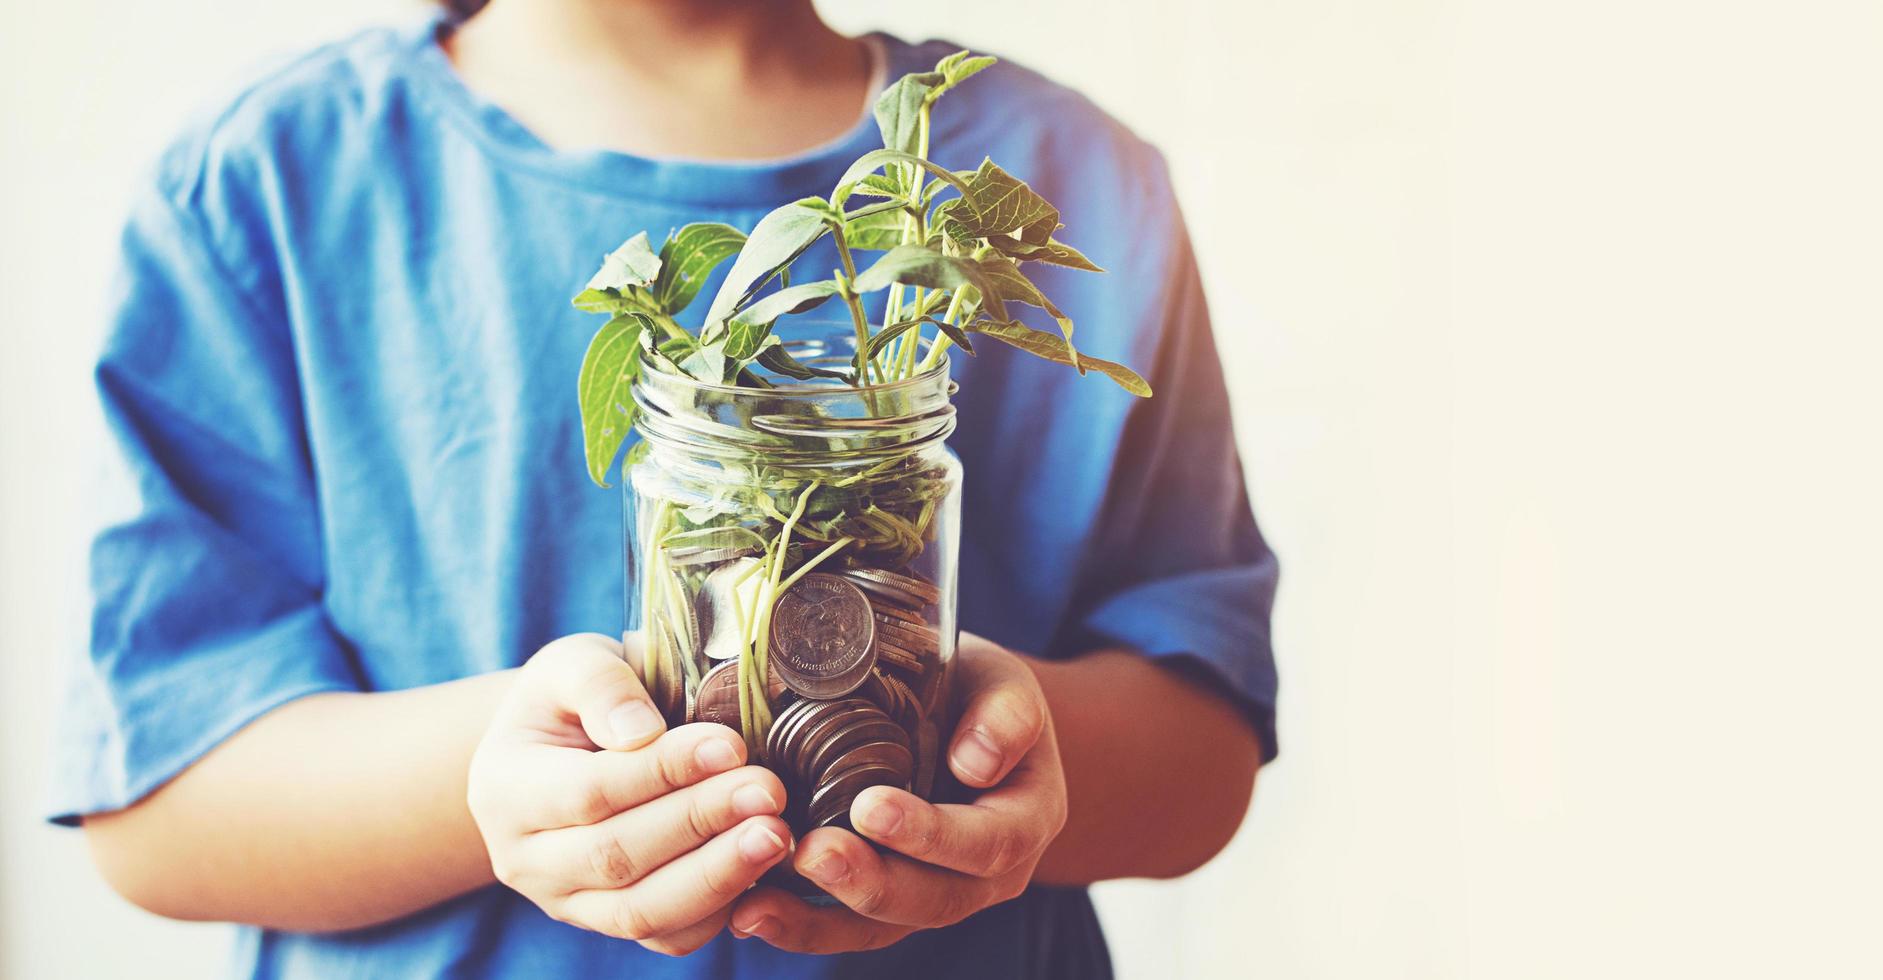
829 869
977 757
760 844
764 927
753 799
880 818
635 721
715 755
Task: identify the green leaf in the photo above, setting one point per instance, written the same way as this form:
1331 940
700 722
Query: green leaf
956 334
779 238
1042 344
786 301
919 265
876 232
958 67
633 264
997 204
882 337
876 160
1054 252
611 301
688 258
1010 284
899 109
878 185
608 371
780 360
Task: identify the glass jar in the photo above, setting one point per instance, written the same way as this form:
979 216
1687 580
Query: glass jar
791 564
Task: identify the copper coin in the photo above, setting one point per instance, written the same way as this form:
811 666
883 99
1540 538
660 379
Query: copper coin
788 731
894 754
786 723
817 758
822 634
895 656
922 640
820 726
717 698
902 613
782 724
903 705
831 801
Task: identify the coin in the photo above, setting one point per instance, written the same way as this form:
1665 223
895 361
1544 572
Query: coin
893 753
716 699
718 603
895 656
899 701
821 726
670 684
821 636
830 802
909 590
903 613
915 640
814 759
783 740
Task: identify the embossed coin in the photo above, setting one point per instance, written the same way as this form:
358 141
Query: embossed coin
717 698
822 634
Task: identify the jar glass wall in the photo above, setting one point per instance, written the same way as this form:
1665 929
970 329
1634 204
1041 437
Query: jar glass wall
792 568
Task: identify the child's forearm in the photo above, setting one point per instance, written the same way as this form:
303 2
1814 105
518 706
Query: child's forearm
336 811
1159 771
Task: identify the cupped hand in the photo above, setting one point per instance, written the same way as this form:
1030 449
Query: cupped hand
944 861
606 820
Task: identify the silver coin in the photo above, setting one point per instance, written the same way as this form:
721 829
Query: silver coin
717 607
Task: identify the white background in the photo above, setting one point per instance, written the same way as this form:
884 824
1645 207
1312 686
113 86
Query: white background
1553 333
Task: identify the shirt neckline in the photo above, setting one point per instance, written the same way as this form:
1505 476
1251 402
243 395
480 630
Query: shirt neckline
732 183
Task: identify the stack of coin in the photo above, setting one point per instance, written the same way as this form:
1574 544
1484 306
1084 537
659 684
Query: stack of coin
907 647
830 751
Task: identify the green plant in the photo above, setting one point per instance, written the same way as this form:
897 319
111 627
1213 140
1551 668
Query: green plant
952 243
952 246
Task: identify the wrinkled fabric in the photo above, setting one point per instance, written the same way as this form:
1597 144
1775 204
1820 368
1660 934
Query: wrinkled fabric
341 377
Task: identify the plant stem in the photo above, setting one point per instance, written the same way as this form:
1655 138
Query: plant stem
861 322
940 346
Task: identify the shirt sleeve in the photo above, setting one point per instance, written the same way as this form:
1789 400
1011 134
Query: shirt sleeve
207 578
1181 572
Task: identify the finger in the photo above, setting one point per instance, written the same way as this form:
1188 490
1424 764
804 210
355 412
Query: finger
628 846
547 787
1004 716
586 680
683 941
1000 833
685 890
888 888
791 924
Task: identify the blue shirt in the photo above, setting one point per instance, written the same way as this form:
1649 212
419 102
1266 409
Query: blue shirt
341 374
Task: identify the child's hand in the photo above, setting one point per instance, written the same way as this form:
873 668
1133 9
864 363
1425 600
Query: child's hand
954 860
649 838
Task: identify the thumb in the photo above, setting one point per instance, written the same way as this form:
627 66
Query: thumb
587 676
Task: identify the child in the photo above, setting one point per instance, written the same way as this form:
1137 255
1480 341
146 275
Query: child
343 393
